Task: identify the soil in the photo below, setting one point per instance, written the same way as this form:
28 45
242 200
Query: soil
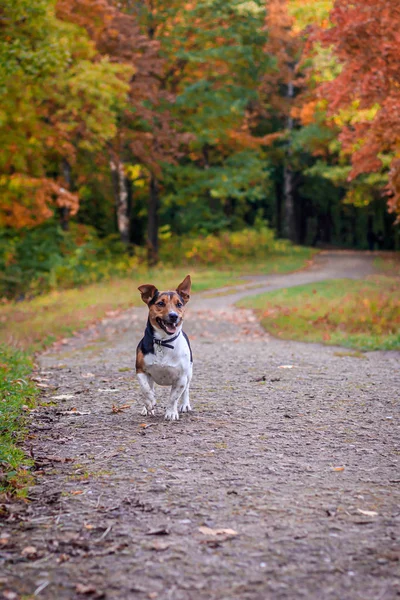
282 483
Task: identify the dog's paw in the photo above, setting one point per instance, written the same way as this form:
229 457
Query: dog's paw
147 411
171 415
185 408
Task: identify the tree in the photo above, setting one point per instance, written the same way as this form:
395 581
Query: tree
57 100
364 37
145 130
214 60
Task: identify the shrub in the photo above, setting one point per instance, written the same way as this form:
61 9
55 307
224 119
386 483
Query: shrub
226 247
34 261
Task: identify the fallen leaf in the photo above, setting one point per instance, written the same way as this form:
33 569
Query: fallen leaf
162 530
159 546
367 513
29 552
62 558
210 531
85 590
9 595
77 492
51 458
117 409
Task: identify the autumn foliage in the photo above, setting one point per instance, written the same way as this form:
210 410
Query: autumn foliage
365 38
200 116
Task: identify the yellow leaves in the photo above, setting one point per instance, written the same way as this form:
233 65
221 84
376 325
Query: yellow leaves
310 13
138 174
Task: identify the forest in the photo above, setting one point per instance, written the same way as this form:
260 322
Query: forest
128 128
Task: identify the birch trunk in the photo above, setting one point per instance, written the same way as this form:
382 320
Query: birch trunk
152 228
121 199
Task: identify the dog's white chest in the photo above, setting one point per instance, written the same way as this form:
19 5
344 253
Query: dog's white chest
168 365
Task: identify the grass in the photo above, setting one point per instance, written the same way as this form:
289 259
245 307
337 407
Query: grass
363 315
17 393
388 263
35 324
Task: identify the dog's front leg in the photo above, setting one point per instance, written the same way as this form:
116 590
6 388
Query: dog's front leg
171 414
147 384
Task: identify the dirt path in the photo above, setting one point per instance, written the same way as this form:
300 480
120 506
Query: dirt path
293 446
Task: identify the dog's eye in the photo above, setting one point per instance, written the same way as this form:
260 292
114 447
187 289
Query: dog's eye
161 303
179 304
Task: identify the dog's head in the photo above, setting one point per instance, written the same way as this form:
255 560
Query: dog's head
166 309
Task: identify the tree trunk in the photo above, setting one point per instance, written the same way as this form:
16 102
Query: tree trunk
64 211
152 228
288 217
288 228
121 199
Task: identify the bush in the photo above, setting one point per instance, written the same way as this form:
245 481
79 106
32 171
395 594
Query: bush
36 260
226 247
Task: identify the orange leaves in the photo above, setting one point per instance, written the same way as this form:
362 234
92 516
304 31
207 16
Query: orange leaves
28 201
365 38
306 113
244 139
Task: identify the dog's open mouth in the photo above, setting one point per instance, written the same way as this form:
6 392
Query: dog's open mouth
168 327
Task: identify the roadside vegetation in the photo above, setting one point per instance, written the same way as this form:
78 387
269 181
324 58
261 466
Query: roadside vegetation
17 395
364 315
78 288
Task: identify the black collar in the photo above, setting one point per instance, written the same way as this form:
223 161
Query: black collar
166 343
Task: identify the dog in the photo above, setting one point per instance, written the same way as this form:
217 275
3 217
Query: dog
164 355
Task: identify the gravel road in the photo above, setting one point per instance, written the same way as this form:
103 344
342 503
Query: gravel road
283 483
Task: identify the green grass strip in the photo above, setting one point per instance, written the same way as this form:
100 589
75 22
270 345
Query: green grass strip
17 391
364 315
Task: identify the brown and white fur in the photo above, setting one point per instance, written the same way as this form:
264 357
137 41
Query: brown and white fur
163 355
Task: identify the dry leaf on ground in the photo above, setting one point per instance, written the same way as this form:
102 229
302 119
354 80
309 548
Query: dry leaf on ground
367 513
210 531
116 409
29 552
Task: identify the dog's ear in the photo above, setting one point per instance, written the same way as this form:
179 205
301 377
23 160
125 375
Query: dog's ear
183 289
148 292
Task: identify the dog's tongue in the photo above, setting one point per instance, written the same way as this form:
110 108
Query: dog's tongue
170 327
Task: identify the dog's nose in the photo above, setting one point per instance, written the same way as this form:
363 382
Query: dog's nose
173 317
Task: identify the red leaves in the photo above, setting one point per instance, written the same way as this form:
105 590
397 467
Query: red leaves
366 39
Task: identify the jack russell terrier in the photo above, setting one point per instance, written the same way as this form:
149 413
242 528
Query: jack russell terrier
164 355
